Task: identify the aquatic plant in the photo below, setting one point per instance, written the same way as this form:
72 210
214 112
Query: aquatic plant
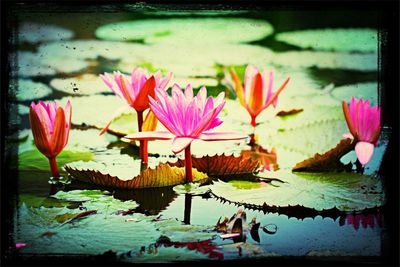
135 91
364 125
187 118
256 92
50 124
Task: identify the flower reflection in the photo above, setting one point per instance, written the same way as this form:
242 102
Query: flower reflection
364 219
267 159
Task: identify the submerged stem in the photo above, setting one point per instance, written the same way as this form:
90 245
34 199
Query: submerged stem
54 167
188 165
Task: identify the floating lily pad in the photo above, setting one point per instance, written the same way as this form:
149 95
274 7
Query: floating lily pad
193 30
195 82
86 84
221 165
32 32
351 39
22 109
328 60
37 202
361 90
246 184
31 65
83 236
345 191
33 160
28 90
163 175
316 137
328 161
91 49
190 188
124 124
94 110
101 201
27 64
88 140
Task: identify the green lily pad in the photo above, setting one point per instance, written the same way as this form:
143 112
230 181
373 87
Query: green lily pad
192 30
92 49
28 90
32 32
31 65
94 110
27 64
35 161
48 202
345 191
124 124
88 140
86 84
22 109
361 90
102 201
176 230
316 137
195 82
245 184
82 236
165 255
327 60
351 39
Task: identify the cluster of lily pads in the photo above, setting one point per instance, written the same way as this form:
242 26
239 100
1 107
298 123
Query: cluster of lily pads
187 117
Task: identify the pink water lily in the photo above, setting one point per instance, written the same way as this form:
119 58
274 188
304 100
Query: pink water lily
364 125
256 94
135 91
50 125
187 118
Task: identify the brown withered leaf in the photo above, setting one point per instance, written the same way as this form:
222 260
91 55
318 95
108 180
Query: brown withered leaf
283 113
69 217
162 175
329 161
221 165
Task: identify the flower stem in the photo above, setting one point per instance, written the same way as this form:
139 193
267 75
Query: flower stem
188 165
253 121
54 167
143 143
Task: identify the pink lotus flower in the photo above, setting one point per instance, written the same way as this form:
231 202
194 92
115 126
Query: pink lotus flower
135 91
50 125
364 125
256 94
187 117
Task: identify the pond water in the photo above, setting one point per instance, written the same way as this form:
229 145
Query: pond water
59 55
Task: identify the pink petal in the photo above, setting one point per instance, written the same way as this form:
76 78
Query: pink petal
180 143
150 136
215 136
164 83
20 245
364 151
229 235
68 115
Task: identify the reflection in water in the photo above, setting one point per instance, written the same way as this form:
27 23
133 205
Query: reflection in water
266 158
364 219
188 207
151 200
